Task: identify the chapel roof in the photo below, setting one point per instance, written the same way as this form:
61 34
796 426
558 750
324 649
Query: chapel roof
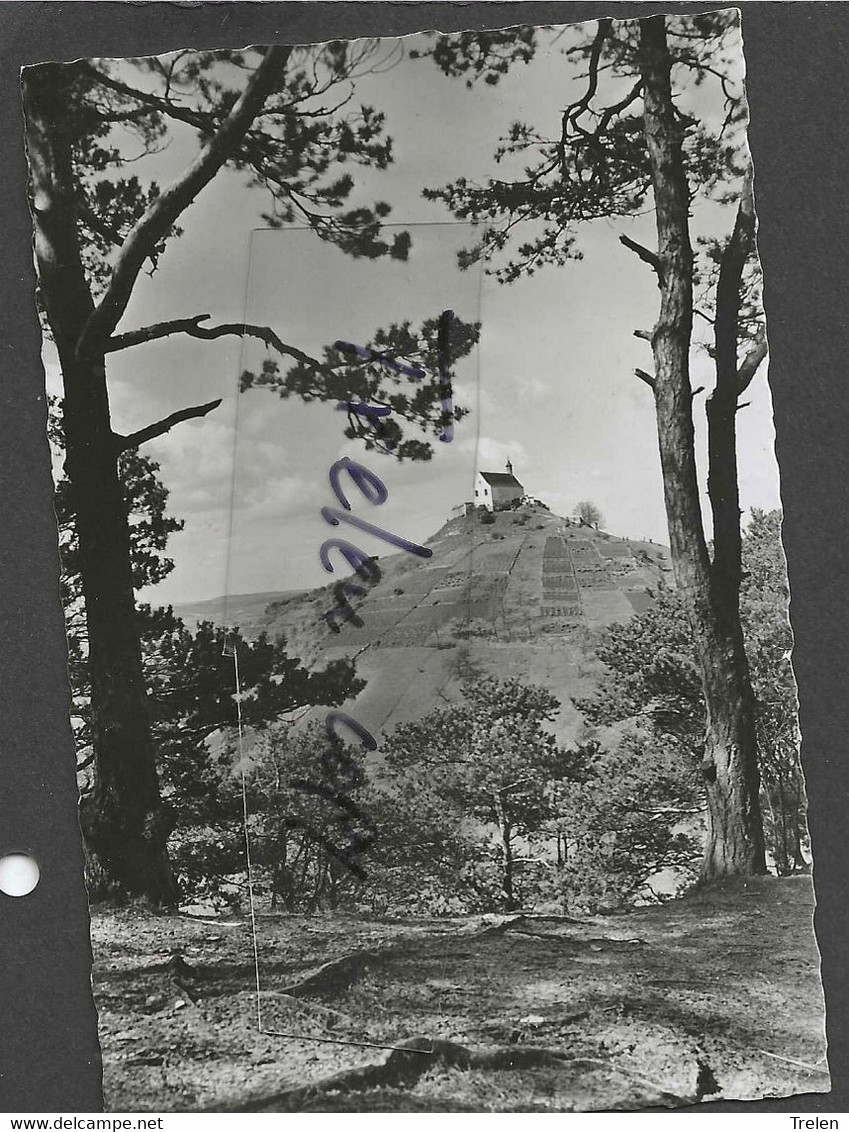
500 479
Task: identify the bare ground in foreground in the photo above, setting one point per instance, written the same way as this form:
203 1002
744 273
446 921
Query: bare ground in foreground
713 996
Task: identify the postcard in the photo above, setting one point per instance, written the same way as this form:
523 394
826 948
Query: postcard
427 613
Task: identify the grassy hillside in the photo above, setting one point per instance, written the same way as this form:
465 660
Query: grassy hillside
522 596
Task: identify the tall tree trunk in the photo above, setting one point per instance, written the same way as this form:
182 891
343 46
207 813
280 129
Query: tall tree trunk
735 843
782 801
506 854
800 865
723 489
779 831
280 870
125 823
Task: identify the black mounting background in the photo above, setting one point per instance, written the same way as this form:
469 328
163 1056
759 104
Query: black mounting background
797 85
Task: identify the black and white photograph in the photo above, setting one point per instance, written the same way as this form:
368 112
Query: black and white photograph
420 525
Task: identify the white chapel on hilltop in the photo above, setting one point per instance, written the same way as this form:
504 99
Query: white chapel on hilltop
495 490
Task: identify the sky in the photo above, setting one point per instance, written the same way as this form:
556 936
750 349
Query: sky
551 386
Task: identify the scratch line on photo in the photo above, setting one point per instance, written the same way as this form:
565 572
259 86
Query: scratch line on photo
231 649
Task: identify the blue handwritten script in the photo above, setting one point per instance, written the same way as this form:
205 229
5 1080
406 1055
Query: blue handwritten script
415 373
445 391
340 773
376 414
340 776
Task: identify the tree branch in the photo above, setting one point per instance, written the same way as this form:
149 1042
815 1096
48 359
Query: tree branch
192 327
85 763
646 377
154 103
645 255
574 112
98 225
751 363
153 332
164 211
159 428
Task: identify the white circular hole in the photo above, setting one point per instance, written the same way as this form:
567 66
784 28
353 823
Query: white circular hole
19 874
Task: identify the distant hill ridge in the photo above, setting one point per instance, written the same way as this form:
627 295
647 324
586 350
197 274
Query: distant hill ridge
248 611
522 594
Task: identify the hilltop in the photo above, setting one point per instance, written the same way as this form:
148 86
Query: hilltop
521 593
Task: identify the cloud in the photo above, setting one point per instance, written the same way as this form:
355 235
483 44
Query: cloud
197 465
498 452
533 388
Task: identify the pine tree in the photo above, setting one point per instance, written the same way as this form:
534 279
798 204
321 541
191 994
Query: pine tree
284 117
623 143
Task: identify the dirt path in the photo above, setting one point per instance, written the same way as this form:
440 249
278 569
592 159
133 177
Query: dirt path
713 996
